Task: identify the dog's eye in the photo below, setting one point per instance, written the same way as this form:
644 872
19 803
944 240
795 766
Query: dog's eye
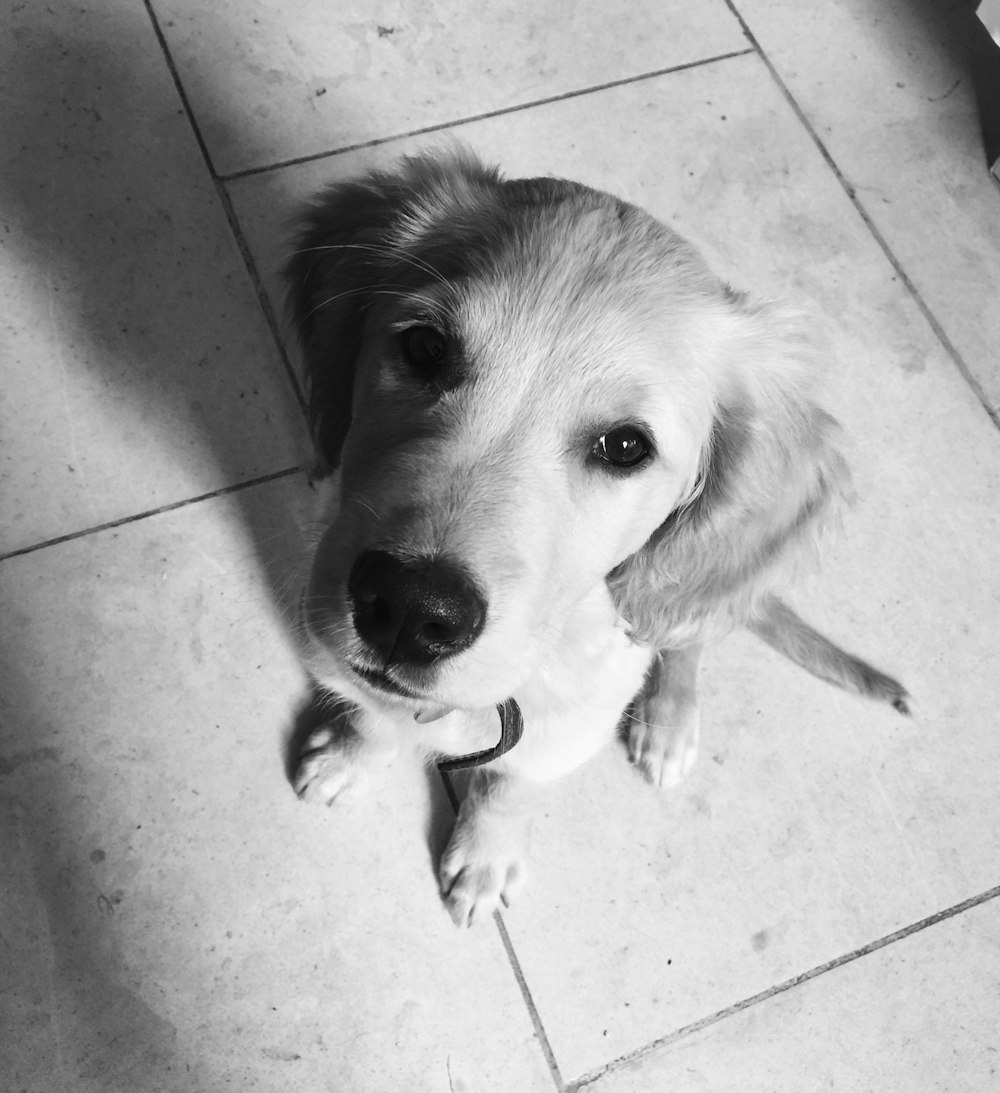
623 448
424 347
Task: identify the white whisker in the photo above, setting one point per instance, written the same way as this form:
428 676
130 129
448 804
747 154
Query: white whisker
400 292
357 499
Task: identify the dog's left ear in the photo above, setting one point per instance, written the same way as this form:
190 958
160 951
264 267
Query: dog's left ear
770 475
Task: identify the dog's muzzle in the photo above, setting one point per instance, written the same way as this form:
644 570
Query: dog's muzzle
414 612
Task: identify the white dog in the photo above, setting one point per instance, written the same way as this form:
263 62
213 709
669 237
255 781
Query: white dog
561 455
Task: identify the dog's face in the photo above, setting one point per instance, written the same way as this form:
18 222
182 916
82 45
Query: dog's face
529 378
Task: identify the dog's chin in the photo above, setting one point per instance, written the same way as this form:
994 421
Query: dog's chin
372 687
388 690
368 686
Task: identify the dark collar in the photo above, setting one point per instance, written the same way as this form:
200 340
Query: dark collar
511 728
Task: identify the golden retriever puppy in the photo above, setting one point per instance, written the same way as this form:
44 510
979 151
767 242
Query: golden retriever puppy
560 455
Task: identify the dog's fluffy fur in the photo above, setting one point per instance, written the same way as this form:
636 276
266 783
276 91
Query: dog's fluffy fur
560 321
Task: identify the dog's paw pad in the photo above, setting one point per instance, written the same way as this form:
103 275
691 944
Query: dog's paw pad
664 754
473 890
325 772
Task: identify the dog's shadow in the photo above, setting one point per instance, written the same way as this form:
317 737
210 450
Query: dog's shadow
119 226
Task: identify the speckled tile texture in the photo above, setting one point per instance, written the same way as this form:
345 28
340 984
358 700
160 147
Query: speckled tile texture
815 907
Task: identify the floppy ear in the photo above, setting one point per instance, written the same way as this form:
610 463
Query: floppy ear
352 238
771 474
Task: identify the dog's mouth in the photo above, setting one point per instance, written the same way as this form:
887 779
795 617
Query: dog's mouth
381 682
511 723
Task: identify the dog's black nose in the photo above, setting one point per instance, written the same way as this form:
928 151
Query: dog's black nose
414 612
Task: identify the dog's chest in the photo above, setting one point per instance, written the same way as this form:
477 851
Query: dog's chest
571 704
576 699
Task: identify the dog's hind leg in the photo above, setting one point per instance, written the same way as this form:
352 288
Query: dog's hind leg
664 720
780 627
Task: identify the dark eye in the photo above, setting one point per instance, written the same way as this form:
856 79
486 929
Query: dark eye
424 347
623 448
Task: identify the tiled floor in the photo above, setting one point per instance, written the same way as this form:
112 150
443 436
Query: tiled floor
815 908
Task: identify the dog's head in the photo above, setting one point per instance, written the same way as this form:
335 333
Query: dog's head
527 390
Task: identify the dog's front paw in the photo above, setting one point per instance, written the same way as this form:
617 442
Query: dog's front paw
663 743
475 884
328 767
483 868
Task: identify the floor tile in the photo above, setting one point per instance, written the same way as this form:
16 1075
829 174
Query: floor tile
920 1015
137 368
174 919
815 822
886 89
269 83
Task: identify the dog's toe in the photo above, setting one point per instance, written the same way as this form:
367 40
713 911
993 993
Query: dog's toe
327 770
476 892
475 886
665 753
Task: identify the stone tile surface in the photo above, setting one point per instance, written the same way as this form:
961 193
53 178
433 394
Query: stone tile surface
888 90
815 822
136 368
174 919
270 83
910 1016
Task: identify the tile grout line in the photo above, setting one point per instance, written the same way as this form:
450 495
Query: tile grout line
262 296
171 506
227 207
780 988
457 123
536 1019
936 328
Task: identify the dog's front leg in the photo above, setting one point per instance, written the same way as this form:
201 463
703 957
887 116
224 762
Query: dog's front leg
484 864
665 720
339 758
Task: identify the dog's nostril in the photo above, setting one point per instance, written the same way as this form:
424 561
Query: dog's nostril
434 633
416 611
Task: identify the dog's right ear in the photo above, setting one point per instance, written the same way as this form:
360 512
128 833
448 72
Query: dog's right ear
350 239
